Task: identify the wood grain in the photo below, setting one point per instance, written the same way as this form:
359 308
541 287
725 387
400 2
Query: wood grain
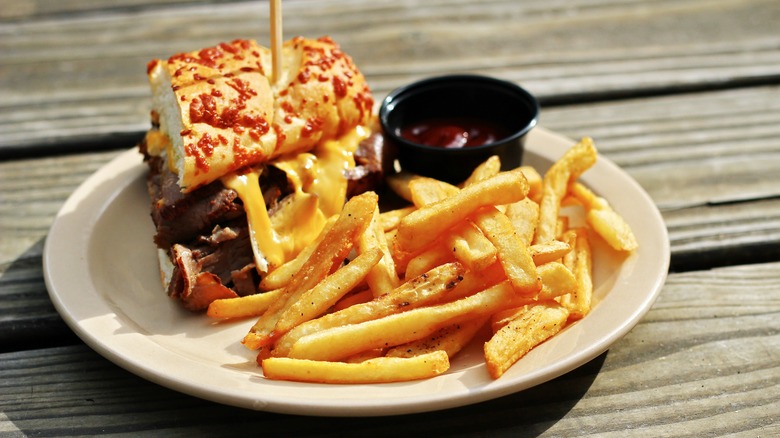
80 73
706 358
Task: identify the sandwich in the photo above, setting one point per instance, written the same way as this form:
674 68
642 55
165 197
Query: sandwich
245 169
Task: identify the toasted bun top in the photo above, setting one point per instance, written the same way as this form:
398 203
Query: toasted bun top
220 111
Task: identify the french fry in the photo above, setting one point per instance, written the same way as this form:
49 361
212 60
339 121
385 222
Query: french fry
450 339
426 191
340 342
548 252
316 301
382 278
281 276
567 169
242 307
350 300
512 252
411 294
376 370
532 327
604 220
485 170
524 215
434 256
399 184
391 218
557 280
421 227
329 252
579 301
471 247
534 182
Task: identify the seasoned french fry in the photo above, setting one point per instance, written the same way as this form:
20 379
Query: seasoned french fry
359 297
485 170
391 218
399 184
450 339
426 191
242 307
512 252
377 370
281 276
567 169
471 247
339 342
315 301
580 263
329 252
557 280
434 256
604 220
423 226
534 182
414 293
538 323
548 252
524 215
383 277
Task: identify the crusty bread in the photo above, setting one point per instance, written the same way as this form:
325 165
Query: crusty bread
220 111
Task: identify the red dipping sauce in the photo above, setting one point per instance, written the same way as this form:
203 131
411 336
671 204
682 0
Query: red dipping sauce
454 133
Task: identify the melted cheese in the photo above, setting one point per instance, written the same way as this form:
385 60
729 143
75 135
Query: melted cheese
320 192
265 242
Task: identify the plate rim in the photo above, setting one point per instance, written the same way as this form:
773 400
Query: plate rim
122 166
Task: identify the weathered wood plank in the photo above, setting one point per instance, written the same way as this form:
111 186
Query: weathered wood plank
82 75
722 324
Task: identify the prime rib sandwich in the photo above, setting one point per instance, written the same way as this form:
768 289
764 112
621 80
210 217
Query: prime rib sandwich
244 170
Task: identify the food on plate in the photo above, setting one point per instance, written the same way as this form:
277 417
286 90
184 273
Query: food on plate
478 262
245 172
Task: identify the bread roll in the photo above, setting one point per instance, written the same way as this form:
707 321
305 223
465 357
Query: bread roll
220 112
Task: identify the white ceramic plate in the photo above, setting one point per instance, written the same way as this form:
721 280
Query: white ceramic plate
101 272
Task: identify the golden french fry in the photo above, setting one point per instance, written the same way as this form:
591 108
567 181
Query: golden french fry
326 293
340 342
383 277
604 220
450 339
362 296
485 170
399 184
376 370
242 307
413 293
534 182
329 252
281 276
580 263
471 247
548 252
567 169
524 215
557 280
421 227
532 327
434 256
426 191
391 218
512 253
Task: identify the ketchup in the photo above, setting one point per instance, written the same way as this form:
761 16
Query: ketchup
453 133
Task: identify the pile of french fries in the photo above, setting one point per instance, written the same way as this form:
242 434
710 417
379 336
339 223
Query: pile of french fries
395 295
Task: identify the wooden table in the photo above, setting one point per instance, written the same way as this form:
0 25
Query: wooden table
684 95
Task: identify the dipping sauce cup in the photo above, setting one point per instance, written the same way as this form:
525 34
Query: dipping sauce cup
444 127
